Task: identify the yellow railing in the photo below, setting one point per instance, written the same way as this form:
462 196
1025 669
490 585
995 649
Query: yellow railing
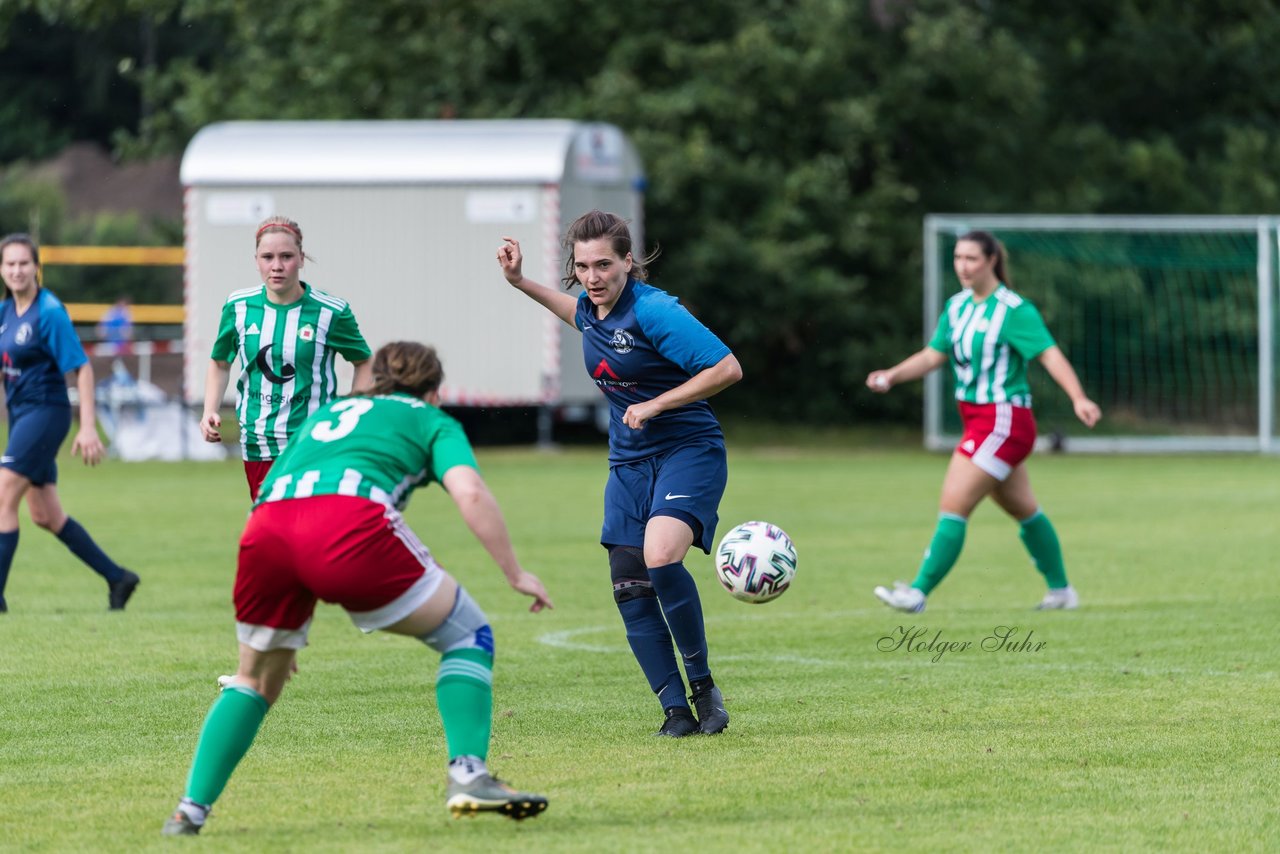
91 312
165 256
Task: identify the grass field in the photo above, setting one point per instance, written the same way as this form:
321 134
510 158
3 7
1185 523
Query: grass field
1145 722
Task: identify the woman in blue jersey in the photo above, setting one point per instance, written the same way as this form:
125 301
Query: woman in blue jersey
38 348
989 334
656 365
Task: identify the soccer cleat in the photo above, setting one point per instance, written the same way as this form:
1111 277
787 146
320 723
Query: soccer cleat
707 699
180 824
488 794
1059 599
118 592
679 723
902 597
224 681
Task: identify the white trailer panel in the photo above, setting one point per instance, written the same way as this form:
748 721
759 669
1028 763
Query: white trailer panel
402 219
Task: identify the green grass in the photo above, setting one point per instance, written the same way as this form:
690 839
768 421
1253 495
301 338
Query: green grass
1145 723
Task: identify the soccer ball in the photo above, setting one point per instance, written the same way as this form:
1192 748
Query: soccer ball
756 562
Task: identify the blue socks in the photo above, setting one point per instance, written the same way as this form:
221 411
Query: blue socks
678 593
650 642
82 546
8 545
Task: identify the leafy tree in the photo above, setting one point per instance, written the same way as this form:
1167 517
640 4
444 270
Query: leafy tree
792 146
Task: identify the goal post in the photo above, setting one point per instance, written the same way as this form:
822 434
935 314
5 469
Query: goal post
1169 321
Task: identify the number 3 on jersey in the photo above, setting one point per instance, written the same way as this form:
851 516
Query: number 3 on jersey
349 412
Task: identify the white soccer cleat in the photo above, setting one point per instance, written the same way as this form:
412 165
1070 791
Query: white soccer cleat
1059 599
903 597
224 681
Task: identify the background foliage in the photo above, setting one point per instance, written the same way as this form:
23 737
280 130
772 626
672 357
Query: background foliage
792 145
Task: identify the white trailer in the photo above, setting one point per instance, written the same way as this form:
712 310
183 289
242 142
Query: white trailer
403 219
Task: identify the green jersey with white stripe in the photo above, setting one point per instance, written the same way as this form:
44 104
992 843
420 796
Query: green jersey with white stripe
989 343
380 448
286 357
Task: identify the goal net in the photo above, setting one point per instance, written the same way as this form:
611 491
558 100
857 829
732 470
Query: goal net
1168 321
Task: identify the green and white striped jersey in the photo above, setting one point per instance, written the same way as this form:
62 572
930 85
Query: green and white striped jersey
380 448
989 343
286 358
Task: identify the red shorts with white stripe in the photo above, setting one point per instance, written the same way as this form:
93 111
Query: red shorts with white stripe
337 548
997 436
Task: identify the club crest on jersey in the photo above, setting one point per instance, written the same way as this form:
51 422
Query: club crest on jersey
622 342
307 333
23 335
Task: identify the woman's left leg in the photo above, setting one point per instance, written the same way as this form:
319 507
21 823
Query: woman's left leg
12 488
666 543
47 512
1016 498
228 732
452 623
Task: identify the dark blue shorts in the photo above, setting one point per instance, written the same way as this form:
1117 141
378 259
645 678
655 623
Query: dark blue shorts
35 435
686 482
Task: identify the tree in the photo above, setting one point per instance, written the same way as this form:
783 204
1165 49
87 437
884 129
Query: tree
792 146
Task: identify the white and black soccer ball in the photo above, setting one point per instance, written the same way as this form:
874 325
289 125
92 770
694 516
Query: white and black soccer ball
756 562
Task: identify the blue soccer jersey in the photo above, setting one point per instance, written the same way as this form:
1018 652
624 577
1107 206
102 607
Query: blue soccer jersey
37 350
648 345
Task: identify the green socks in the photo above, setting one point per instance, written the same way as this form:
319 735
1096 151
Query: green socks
1041 541
464 695
943 551
228 731
1037 535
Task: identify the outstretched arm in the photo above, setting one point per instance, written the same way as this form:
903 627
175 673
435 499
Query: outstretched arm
913 367
511 260
1055 362
480 511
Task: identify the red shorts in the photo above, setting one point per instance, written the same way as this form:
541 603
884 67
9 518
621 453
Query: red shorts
350 551
255 472
997 436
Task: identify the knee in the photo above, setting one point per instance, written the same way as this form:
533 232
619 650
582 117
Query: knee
11 489
629 575
466 627
268 687
271 689
44 519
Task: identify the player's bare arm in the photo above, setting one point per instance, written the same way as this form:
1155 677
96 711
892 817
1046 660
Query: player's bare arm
1055 362
913 367
700 386
479 509
215 388
511 260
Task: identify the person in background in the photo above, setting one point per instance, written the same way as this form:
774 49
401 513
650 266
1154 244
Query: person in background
38 348
285 334
116 326
989 334
656 365
327 526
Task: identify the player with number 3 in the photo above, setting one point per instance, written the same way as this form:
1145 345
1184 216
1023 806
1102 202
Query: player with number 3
327 526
